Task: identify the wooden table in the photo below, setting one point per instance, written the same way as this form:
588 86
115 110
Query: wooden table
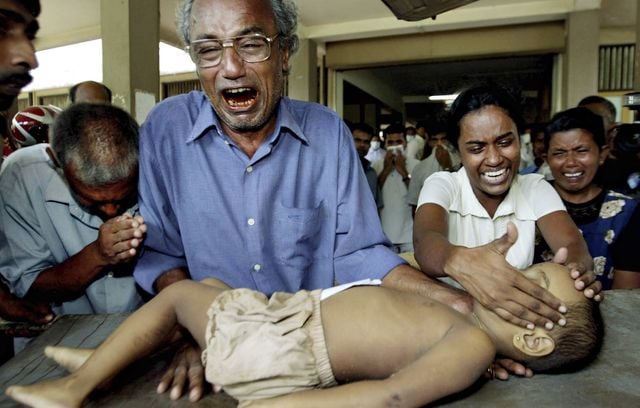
135 388
613 380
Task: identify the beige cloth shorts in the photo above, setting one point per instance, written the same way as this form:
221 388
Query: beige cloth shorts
259 347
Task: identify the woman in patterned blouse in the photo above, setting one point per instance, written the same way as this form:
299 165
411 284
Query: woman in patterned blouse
609 221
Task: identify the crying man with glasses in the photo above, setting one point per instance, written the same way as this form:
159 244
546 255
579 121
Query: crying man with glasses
242 184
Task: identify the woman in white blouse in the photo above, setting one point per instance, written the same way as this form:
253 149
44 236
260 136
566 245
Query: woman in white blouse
477 225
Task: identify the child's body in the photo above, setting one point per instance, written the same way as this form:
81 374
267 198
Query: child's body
384 347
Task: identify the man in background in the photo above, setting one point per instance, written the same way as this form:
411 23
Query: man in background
444 157
539 165
17 59
376 151
605 109
362 135
416 143
393 178
90 92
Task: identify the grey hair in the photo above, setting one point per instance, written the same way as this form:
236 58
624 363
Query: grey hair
285 12
100 143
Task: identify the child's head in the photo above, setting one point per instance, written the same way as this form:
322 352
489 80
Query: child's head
564 348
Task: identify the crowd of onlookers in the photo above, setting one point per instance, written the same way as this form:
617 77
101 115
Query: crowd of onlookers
594 173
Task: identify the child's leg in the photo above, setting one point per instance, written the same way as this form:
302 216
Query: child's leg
184 303
70 358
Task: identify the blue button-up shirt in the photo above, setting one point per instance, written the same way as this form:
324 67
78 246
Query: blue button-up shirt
297 215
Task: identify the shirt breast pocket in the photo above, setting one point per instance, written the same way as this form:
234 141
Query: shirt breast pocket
296 235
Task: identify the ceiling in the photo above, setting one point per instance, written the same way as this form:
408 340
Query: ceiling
330 20
335 20
433 78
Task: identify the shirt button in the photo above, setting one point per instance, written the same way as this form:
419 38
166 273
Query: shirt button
251 221
257 267
249 169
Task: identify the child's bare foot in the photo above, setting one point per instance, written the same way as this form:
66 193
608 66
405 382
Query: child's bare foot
70 358
48 394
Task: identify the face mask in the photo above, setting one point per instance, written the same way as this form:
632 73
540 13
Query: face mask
375 145
445 145
397 150
410 138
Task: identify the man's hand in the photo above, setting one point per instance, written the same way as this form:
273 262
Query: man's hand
401 165
503 366
443 157
584 279
410 279
15 309
186 367
389 161
503 289
120 237
455 298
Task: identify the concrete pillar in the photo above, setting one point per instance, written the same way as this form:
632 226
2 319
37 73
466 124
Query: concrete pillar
335 91
581 62
130 60
303 75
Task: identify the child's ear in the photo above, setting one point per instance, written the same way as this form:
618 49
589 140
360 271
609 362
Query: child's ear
535 343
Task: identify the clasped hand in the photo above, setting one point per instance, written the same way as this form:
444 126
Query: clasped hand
397 162
120 237
443 157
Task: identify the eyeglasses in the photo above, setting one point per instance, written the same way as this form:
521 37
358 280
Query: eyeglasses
207 53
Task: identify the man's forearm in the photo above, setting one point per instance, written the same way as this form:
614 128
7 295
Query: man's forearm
69 279
382 178
169 277
409 279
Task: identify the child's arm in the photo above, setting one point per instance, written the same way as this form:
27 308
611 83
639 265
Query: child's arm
451 365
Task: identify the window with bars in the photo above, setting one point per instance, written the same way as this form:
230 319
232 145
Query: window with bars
180 87
23 103
615 70
61 100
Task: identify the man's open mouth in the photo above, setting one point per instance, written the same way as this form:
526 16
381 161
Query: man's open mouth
240 97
